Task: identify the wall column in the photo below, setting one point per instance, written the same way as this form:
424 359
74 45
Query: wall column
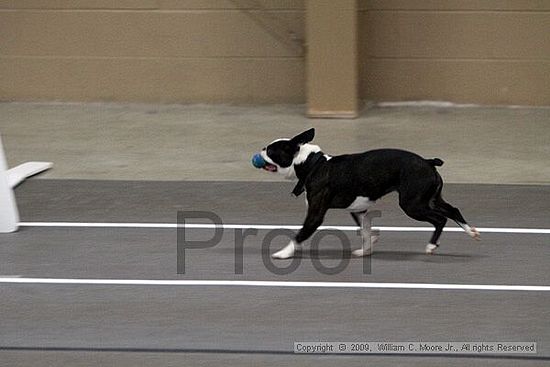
331 60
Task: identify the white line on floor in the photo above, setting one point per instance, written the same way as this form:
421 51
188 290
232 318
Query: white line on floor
270 227
284 284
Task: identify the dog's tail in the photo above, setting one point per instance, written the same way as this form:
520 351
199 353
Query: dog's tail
436 162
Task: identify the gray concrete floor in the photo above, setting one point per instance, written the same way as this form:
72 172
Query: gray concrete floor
140 325
139 163
200 142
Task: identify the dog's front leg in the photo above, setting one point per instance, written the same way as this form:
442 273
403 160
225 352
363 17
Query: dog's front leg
369 236
314 218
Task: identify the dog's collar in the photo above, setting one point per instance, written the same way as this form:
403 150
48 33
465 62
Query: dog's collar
311 164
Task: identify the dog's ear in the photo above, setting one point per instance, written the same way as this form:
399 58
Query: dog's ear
304 137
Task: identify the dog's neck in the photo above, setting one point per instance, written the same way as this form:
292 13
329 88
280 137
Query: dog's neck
306 165
304 152
311 163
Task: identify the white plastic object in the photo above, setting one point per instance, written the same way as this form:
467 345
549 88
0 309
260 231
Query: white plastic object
9 178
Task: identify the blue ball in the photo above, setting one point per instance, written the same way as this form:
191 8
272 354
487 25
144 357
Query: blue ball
258 161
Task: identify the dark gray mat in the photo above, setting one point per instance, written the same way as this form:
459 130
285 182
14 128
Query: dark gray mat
71 323
152 254
256 202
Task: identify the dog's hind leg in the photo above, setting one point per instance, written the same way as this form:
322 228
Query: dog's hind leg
439 224
453 213
422 212
368 235
441 206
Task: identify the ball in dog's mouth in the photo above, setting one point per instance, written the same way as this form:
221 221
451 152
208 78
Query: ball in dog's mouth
259 162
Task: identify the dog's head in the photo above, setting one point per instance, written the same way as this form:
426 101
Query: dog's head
282 154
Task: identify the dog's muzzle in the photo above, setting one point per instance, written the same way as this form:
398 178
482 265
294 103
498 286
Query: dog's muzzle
259 162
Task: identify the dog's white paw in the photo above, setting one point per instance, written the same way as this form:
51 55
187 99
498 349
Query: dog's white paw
430 248
285 253
474 233
369 250
362 252
471 231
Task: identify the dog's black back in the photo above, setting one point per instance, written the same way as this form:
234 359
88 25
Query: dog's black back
374 174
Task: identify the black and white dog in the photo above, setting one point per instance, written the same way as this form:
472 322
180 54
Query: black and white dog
355 181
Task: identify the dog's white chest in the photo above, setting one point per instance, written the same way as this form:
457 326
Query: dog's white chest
361 203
